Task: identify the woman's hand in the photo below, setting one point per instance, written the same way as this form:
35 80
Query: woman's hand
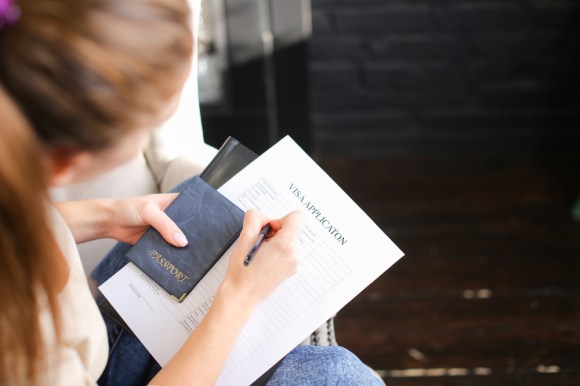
274 262
132 216
202 357
124 220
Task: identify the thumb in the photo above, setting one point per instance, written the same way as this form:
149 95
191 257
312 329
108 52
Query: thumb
159 220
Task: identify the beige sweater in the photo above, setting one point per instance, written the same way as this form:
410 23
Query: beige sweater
81 356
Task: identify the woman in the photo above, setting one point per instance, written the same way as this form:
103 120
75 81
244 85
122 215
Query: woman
93 78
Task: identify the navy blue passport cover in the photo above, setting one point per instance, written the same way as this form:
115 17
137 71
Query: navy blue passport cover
211 224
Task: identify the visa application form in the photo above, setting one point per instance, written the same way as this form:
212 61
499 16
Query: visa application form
341 252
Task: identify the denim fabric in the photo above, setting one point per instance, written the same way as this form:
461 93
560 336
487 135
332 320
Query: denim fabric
322 365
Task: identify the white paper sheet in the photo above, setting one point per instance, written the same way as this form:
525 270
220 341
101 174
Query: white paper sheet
342 251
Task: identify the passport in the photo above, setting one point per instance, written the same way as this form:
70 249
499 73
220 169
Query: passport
211 224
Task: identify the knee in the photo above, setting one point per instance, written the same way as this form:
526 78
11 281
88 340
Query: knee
341 365
334 365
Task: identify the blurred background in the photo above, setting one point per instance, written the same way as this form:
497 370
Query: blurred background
455 124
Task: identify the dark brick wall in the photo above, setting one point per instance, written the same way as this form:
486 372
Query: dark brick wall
413 75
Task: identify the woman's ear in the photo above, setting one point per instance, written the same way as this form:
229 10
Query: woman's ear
63 164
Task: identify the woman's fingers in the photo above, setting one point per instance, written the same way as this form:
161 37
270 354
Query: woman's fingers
285 229
291 225
254 221
154 215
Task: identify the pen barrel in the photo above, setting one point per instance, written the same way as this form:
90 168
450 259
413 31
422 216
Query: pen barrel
261 236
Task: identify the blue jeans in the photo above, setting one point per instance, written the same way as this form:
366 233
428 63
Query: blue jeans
130 364
322 365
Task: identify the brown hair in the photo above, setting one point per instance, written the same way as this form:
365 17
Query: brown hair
27 247
85 72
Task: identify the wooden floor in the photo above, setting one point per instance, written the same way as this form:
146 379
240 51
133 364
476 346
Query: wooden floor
488 292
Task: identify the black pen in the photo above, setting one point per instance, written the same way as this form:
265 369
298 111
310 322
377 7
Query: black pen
261 237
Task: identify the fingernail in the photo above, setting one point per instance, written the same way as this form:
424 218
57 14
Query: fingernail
180 239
